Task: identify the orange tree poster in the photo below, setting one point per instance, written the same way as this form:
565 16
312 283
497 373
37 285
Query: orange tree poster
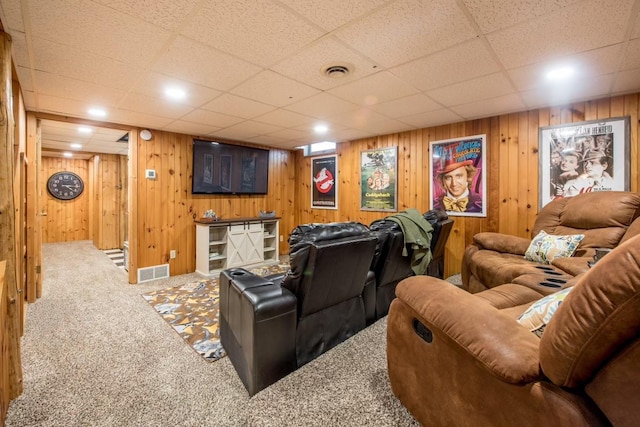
378 184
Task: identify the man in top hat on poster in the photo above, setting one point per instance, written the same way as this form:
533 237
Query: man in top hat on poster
456 179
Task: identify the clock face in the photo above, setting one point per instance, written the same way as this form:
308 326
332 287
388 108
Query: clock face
65 185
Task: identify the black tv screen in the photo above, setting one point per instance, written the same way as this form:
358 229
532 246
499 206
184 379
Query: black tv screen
220 168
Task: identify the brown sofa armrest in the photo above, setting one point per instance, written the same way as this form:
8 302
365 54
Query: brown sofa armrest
499 343
502 242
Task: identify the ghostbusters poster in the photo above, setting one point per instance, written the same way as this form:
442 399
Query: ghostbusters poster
324 182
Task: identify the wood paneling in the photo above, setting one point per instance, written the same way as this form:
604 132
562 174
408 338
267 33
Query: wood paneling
4 347
512 174
164 210
108 200
66 220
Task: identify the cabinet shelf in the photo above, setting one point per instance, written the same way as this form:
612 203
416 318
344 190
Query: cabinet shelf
228 244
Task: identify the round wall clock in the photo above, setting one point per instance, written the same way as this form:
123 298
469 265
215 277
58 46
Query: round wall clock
65 185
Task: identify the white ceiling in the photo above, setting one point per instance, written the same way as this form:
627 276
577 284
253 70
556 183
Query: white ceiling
253 69
57 137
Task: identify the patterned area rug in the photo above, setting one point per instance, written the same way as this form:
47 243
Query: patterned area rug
192 311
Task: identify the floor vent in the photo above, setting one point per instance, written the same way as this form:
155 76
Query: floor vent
152 273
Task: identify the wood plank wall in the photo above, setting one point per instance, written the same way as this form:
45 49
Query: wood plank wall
5 385
166 208
108 206
98 214
512 175
66 220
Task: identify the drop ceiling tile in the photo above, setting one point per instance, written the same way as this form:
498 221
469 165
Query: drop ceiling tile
234 133
627 81
352 135
190 128
168 14
211 118
237 106
462 62
632 55
570 31
322 106
24 77
12 15
374 89
564 93
270 141
286 119
29 99
85 66
256 128
61 105
155 84
407 106
368 120
485 87
491 107
134 118
498 14
636 28
65 87
240 27
588 64
19 51
98 29
155 106
432 118
192 61
331 14
291 134
308 65
419 27
273 89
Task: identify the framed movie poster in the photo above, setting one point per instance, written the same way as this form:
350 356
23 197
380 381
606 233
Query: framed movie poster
248 182
207 175
583 157
458 176
324 187
225 171
378 185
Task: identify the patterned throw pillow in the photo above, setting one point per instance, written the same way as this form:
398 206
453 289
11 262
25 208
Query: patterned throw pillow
544 248
536 317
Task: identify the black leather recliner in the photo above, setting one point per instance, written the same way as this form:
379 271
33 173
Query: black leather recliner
271 326
390 266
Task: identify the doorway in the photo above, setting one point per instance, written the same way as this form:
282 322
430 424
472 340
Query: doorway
98 159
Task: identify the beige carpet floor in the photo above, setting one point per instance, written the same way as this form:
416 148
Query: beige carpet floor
95 353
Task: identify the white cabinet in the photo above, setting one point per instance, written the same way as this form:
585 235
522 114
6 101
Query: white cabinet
271 247
239 243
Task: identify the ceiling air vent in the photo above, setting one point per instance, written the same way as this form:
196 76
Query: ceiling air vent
336 71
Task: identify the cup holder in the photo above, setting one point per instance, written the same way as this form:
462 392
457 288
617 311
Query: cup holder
554 273
553 280
550 285
238 273
542 267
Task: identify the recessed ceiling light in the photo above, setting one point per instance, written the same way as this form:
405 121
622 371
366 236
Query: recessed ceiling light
175 93
76 145
560 73
321 128
97 112
84 129
67 154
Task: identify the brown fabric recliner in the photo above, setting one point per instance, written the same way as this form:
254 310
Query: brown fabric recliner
605 218
462 359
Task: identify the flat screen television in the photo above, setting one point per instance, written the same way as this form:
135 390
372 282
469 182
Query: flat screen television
220 168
